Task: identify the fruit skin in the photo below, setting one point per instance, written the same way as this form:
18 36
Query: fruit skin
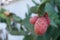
47 18
40 26
48 21
33 19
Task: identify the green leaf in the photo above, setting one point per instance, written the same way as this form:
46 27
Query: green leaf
34 9
35 2
2 10
27 24
56 33
8 22
57 2
26 15
49 32
57 21
53 24
29 37
41 37
59 14
17 18
2 20
51 11
2 16
14 31
41 9
29 11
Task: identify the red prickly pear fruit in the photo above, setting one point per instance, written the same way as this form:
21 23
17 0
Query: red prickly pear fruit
33 19
47 18
40 26
48 21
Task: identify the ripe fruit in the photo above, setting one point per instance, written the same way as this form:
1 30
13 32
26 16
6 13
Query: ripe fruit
40 26
33 19
48 21
47 18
